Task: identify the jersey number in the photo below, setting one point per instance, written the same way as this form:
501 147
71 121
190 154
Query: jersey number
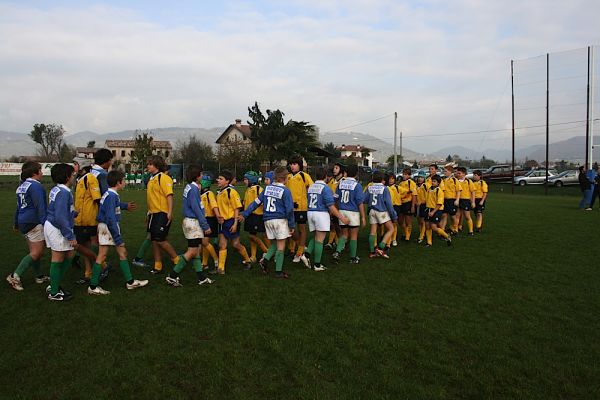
345 196
23 200
374 200
271 204
312 203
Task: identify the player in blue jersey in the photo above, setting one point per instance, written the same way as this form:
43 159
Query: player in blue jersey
29 221
381 212
109 235
349 196
278 217
195 229
58 229
321 206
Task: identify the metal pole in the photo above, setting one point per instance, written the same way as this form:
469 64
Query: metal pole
592 95
587 118
512 88
547 117
401 157
395 136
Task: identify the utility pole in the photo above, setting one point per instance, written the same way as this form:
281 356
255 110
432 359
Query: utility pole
395 139
401 157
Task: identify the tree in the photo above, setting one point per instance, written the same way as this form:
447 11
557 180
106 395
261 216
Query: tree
143 148
194 151
67 153
390 160
50 139
331 148
449 158
91 144
234 156
279 139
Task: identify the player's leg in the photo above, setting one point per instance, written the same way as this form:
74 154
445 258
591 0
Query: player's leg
235 241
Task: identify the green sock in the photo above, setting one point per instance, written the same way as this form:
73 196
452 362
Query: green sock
96 271
142 251
341 244
318 252
66 264
382 245
372 240
37 267
23 265
55 274
271 251
124 264
180 265
278 261
353 244
197 264
311 247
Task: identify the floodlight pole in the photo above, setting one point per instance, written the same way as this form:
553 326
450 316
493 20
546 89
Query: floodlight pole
512 89
547 118
395 138
587 117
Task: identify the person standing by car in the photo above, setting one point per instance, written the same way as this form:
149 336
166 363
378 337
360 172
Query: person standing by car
586 188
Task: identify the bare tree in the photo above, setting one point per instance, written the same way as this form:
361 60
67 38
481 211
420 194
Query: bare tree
50 138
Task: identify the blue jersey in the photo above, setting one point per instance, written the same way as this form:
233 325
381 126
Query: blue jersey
278 204
101 174
61 212
31 205
109 213
320 197
192 205
378 198
349 194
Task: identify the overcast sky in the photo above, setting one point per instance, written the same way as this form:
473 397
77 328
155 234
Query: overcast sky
444 66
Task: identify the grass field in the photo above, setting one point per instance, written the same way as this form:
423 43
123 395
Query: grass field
509 313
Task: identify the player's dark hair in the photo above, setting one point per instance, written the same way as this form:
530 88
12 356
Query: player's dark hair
296 159
61 173
114 177
477 172
352 170
158 162
420 180
227 175
102 156
192 173
434 166
462 169
387 178
436 178
342 167
377 177
321 173
29 169
407 171
449 168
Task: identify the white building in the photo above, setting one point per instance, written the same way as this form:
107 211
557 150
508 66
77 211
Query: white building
363 155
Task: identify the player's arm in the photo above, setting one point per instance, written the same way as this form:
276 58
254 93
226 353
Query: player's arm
387 198
458 189
289 208
63 216
111 221
253 206
198 211
472 188
484 189
39 201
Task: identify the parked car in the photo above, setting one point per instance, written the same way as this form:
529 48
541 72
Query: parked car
570 177
535 176
501 173
420 172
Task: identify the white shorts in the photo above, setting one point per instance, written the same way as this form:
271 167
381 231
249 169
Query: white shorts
378 217
138 181
36 234
104 236
319 221
277 229
191 229
54 238
353 216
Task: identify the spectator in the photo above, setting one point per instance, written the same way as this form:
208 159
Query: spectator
586 188
596 190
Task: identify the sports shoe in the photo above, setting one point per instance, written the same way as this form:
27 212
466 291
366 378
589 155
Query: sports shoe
335 255
155 271
212 271
42 279
449 241
138 262
221 271
305 261
206 281
355 260
477 230
296 259
329 246
15 282
471 234
98 291
394 243
372 255
136 284
419 241
281 275
60 290
263 265
60 296
381 253
252 260
588 209
247 265
173 281
319 267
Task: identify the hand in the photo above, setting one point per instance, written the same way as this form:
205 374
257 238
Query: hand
430 213
481 203
292 232
345 220
169 218
233 228
473 205
456 202
412 209
131 206
363 222
208 231
220 220
73 243
241 218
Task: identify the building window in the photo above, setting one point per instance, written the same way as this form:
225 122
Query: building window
167 153
122 153
114 153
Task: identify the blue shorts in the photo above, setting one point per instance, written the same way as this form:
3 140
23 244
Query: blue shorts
225 226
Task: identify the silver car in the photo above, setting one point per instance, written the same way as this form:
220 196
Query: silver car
570 177
534 177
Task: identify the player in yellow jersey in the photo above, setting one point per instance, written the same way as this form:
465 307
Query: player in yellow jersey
254 224
390 180
421 206
298 183
229 202
466 201
434 211
408 198
159 195
211 212
481 192
334 176
433 170
451 191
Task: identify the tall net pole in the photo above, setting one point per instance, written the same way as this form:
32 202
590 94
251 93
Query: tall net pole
512 88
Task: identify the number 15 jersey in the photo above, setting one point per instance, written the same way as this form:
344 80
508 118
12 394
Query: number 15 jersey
278 204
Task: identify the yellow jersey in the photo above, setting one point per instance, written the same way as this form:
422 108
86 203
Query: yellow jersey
428 183
87 195
251 194
435 197
160 186
298 184
209 201
408 188
480 187
395 195
451 186
466 188
228 201
422 194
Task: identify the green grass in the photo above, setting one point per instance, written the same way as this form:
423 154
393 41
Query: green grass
509 313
